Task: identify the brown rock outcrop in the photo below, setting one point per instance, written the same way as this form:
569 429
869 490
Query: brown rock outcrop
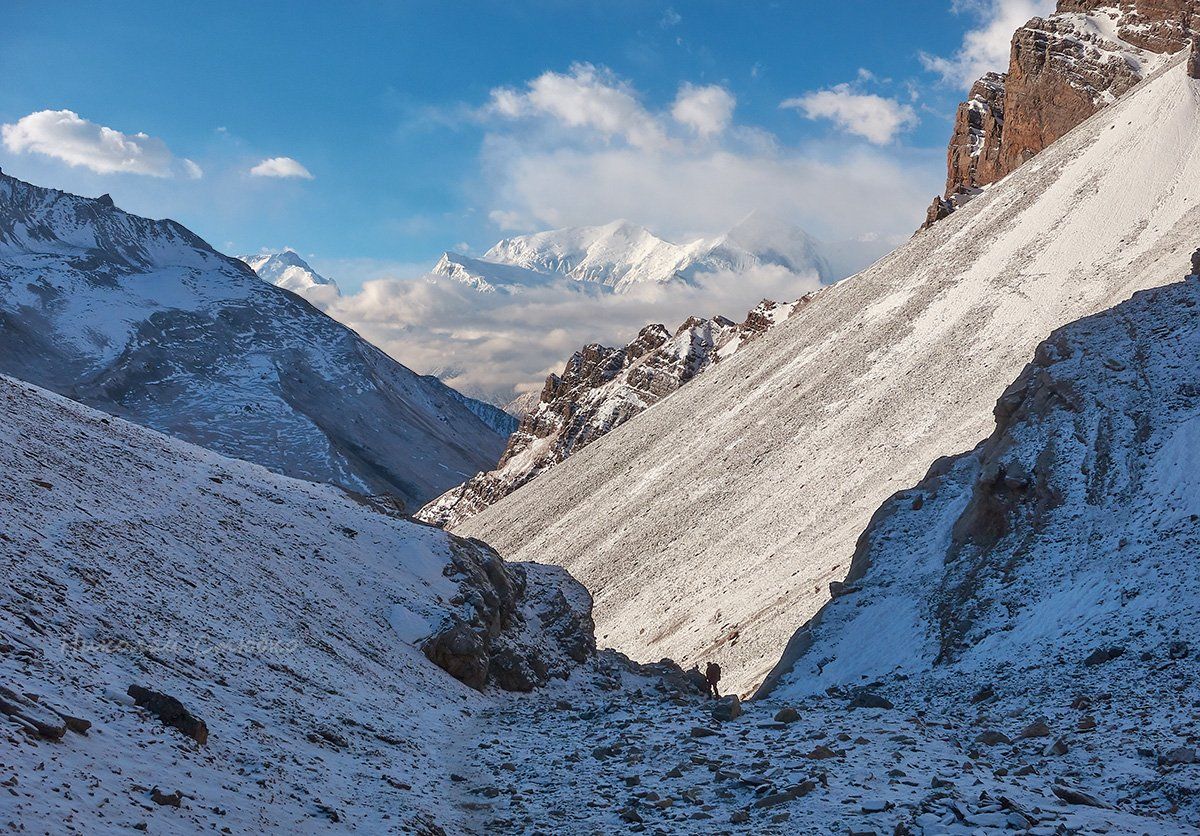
1062 69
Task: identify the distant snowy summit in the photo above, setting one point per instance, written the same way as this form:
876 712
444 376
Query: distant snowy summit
288 270
621 256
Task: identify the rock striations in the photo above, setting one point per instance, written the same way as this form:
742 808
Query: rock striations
1062 69
599 390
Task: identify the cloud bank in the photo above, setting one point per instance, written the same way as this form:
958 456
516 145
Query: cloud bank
581 147
496 345
66 136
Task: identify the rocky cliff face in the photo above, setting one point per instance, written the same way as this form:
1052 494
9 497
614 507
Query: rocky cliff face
1062 69
599 390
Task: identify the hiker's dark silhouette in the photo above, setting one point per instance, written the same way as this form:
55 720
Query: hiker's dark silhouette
712 673
1196 263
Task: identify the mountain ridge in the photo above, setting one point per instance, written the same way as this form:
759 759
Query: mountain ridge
145 320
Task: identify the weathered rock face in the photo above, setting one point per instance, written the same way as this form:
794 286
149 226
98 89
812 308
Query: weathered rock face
1062 69
518 625
974 155
600 389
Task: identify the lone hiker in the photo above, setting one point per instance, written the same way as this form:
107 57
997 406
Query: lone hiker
712 673
1195 264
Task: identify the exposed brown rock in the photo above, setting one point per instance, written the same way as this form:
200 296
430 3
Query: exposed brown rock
1059 74
488 641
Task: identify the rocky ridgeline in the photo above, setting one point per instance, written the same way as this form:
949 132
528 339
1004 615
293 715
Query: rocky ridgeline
600 389
1063 68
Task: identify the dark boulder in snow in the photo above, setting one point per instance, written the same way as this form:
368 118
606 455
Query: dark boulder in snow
171 712
726 709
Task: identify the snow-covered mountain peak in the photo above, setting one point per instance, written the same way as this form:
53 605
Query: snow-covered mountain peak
488 276
288 270
620 256
33 218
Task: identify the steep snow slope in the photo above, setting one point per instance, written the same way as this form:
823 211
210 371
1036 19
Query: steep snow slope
288 270
489 276
1053 569
143 319
600 389
286 616
1073 527
501 422
711 526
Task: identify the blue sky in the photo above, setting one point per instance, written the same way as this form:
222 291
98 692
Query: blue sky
427 126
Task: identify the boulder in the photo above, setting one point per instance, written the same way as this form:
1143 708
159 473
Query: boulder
868 699
1179 755
171 712
726 709
460 651
164 799
1103 654
1074 796
1038 728
992 738
787 715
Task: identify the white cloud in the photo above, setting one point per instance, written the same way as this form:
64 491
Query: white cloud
586 97
835 193
701 173
65 135
986 47
498 345
875 118
707 110
193 171
281 167
581 148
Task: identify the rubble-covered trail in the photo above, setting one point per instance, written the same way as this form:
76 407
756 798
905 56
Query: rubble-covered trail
594 756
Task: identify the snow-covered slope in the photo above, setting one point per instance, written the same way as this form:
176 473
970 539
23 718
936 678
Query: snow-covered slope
1072 527
621 256
489 276
143 319
1050 575
501 422
288 270
289 618
600 389
711 526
